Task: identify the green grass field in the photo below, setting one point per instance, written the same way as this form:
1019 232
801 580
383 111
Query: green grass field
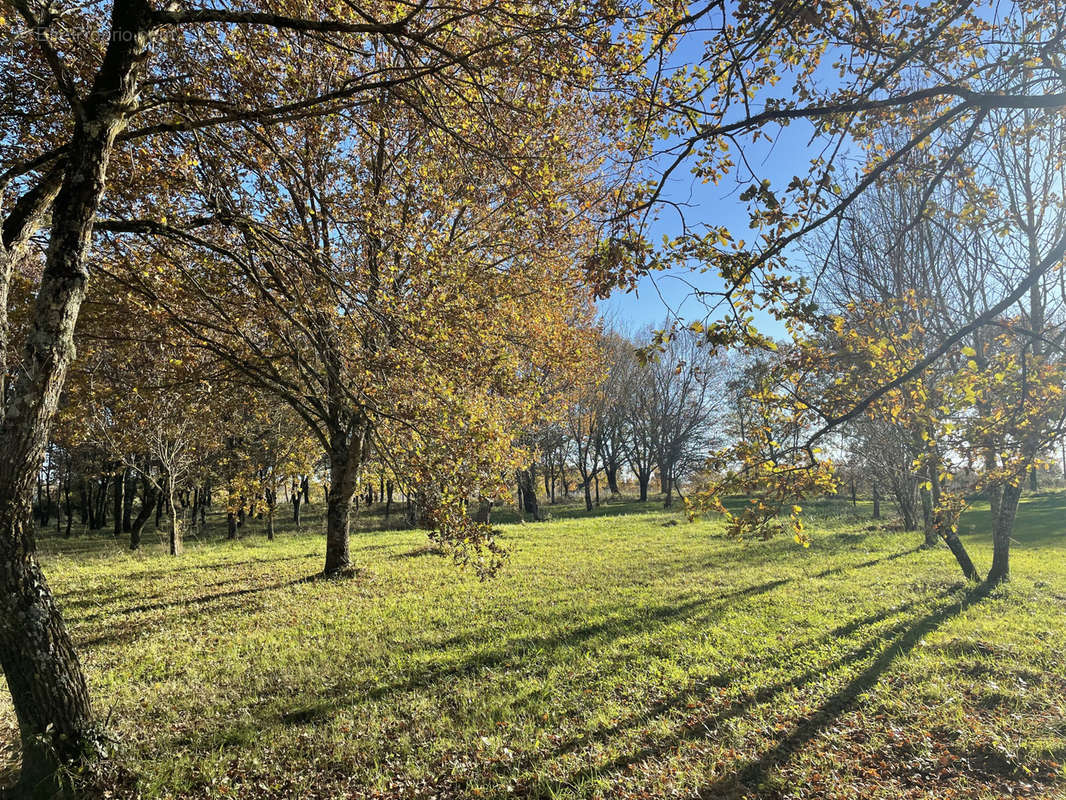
620 654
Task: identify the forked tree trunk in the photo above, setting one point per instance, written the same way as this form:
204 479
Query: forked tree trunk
643 479
612 478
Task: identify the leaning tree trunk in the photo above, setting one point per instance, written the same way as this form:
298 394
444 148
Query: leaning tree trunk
144 514
47 686
38 659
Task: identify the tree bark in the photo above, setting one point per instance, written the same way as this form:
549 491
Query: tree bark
42 670
527 483
38 659
347 451
120 491
148 503
1004 527
643 479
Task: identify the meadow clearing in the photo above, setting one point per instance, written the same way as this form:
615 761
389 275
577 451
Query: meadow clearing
620 653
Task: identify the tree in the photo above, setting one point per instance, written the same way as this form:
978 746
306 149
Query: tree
90 94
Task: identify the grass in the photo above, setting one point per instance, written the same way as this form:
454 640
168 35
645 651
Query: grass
623 655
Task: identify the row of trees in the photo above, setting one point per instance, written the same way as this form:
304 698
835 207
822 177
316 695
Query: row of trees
631 417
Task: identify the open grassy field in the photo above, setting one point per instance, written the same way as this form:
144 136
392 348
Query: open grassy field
620 654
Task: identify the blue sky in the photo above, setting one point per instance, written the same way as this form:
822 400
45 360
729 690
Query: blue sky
669 293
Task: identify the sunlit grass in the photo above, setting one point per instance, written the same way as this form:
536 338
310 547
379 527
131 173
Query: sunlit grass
629 654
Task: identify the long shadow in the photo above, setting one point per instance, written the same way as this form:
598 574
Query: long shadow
754 771
825 573
636 621
704 726
122 635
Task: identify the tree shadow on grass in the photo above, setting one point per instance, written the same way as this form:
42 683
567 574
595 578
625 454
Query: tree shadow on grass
444 671
753 772
215 601
704 691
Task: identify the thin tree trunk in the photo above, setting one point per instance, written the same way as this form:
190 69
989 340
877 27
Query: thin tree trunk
119 492
1001 533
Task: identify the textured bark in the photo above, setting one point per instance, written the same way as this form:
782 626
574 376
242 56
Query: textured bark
38 659
527 484
42 670
346 458
1004 526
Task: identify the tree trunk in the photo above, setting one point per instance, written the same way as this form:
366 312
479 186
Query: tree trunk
129 493
959 551
345 463
643 479
1004 527
527 484
388 499
66 503
588 494
484 511
611 472
38 659
148 503
669 499
231 525
877 501
159 503
120 491
176 544
931 539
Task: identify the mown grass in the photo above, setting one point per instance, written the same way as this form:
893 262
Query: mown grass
624 655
